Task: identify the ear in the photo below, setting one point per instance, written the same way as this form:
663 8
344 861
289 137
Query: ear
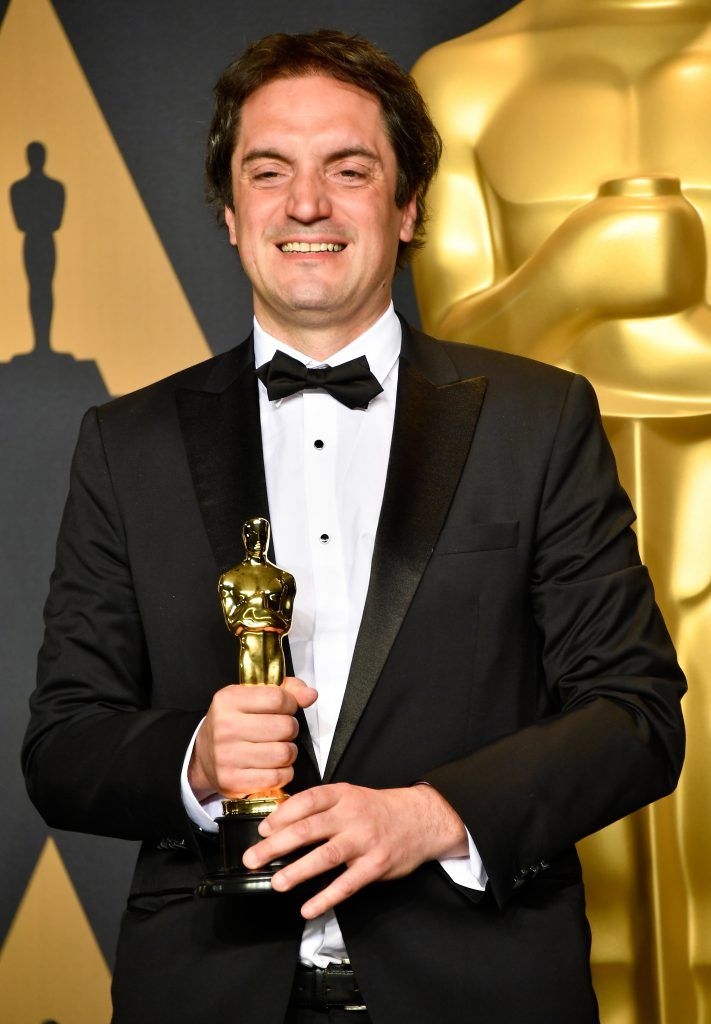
231 222
409 218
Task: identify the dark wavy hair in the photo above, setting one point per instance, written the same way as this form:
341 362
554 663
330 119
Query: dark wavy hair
347 58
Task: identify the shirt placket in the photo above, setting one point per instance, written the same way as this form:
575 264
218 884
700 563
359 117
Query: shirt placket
327 546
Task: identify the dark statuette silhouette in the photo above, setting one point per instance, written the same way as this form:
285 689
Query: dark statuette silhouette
38 205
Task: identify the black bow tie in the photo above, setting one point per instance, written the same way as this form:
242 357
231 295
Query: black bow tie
351 383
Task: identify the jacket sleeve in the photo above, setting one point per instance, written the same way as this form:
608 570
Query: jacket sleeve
97 757
614 738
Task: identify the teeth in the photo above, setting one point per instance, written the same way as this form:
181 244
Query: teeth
311 247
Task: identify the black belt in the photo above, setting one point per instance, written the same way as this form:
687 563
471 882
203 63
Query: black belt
325 988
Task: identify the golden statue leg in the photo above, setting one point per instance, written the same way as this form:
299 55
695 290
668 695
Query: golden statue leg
261 663
672 473
657 920
261 659
617 905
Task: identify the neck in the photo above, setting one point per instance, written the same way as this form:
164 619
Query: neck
319 338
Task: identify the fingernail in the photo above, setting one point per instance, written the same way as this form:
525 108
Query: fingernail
265 829
279 883
249 859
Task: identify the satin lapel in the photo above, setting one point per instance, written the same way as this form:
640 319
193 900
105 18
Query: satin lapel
432 436
223 440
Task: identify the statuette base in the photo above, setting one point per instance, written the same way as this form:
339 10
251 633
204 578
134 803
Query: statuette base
238 830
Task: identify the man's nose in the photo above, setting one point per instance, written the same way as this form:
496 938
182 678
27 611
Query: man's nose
308 199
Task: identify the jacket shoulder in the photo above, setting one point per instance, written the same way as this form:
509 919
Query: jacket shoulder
508 375
213 374
472 360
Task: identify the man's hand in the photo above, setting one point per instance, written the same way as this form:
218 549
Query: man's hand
375 833
246 742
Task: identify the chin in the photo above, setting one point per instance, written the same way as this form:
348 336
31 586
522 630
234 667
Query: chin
314 302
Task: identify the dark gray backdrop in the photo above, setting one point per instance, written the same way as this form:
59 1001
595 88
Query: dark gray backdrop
151 67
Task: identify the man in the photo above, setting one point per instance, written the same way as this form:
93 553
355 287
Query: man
493 680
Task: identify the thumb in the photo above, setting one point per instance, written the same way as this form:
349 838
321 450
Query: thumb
304 694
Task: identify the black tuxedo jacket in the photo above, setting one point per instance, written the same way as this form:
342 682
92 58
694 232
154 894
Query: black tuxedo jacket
510 653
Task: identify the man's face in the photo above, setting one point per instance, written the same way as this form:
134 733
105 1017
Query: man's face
315 220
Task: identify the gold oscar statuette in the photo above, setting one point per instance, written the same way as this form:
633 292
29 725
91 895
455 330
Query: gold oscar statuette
257 601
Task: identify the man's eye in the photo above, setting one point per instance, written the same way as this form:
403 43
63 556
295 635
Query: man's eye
350 174
266 176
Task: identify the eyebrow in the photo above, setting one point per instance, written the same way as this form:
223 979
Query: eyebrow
343 154
262 154
339 154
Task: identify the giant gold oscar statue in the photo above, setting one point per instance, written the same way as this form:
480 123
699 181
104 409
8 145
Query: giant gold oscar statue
570 223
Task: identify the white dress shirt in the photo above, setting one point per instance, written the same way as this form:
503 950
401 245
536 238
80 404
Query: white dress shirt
325 469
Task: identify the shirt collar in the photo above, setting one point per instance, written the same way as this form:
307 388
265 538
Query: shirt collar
380 345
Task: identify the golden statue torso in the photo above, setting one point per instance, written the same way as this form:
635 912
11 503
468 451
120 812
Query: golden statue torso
537 110
257 600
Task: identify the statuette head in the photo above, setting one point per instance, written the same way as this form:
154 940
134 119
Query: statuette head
255 534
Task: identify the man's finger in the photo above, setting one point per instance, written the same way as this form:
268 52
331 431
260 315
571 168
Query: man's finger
300 806
329 855
244 754
253 700
304 694
237 783
305 832
354 878
256 729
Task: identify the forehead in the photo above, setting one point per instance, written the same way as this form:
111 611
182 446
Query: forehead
311 107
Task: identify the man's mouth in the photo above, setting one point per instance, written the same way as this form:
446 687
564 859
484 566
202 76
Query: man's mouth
312 246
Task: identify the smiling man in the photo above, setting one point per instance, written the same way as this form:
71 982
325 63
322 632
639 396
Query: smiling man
314 216
480 674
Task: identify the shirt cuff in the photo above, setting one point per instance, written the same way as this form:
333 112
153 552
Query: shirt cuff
467 871
201 814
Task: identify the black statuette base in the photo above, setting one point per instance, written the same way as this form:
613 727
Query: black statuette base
237 833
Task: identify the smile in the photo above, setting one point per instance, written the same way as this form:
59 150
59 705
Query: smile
312 247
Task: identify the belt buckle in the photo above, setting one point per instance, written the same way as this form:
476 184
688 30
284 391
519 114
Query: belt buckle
334 969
